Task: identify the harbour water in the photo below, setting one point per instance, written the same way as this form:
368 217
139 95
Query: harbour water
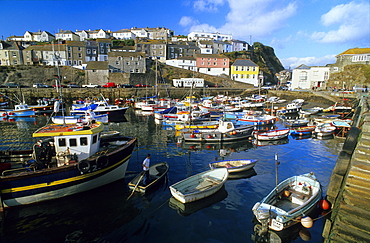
105 214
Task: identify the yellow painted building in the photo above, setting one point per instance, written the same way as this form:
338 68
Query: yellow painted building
245 71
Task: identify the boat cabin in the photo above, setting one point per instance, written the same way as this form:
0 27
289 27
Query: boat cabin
71 141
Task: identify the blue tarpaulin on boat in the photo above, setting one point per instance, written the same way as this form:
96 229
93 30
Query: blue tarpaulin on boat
89 107
171 110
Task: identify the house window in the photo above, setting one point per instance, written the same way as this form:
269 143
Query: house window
79 55
236 68
215 63
117 62
79 48
88 51
247 68
202 63
254 69
241 75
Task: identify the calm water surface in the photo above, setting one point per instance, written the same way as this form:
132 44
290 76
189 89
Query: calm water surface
104 214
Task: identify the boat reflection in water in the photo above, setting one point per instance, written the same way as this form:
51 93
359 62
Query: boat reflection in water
284 236
22 122
306 136
242 174
117 119
73 217
225 148
260 143
185 209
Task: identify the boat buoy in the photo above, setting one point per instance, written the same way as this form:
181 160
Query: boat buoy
307 222
305 234
209 136
231 133
323 204
208 146
191 147
234 132
192 135
286 193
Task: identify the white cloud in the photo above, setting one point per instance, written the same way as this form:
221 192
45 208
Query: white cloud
207 5
352 20
204 28
187 21
294 62
258 18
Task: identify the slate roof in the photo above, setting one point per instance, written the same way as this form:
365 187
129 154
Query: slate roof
244 62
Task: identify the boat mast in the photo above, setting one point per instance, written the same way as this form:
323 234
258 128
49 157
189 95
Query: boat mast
58 81
276 173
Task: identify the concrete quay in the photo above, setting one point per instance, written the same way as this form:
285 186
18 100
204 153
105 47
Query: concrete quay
349 187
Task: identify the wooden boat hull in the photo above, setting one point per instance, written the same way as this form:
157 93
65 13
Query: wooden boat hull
293 198
234 166
157 174
76 119
302 131
272 135
215 135
29 187
185 209
199 186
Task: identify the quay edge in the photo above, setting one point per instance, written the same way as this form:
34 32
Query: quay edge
71 94
349 187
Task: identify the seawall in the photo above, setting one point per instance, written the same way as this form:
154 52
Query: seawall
349 188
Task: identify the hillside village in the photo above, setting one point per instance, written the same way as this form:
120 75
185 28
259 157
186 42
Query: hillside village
127 55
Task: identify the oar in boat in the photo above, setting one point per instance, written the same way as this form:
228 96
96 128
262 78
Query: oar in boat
132 193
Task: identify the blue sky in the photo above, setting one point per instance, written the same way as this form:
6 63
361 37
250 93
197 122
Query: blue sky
310 32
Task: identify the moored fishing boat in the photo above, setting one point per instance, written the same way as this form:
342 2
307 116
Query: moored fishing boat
256 120
225 132
301 131
71 159
101 107
289 201
20 110
324 130
233 166
272 135
199 186
296 122
84 116
198 125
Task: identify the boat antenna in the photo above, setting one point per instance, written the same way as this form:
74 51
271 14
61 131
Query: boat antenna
276 172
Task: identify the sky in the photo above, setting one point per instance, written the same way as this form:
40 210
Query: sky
309 32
